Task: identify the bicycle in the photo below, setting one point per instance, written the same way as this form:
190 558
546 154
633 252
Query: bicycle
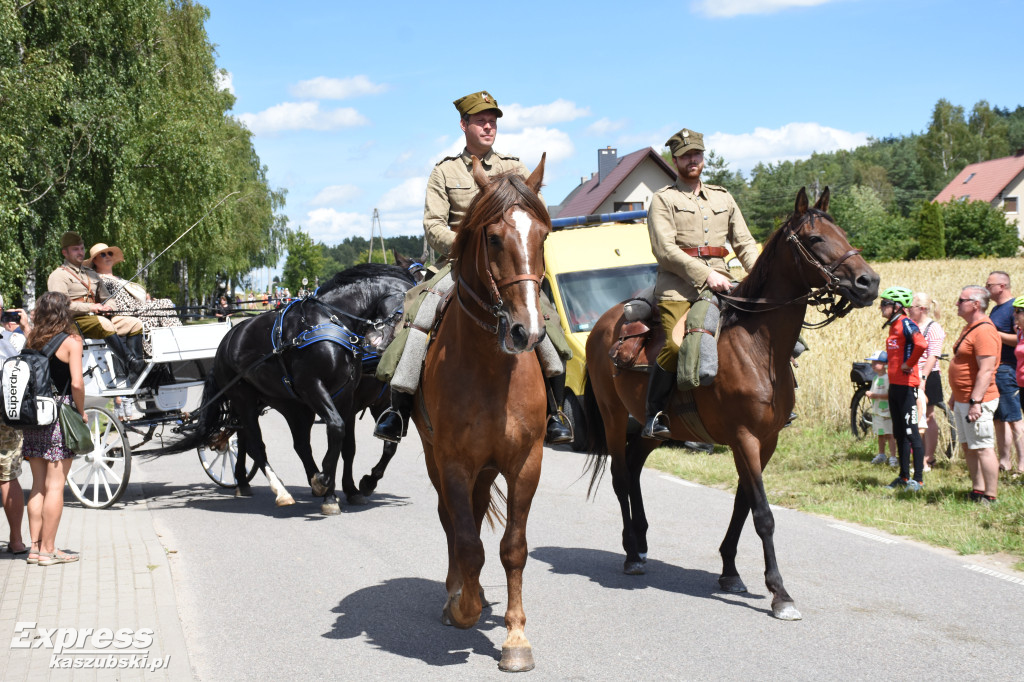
860 411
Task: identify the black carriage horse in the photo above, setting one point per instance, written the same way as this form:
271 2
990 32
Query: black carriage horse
307 361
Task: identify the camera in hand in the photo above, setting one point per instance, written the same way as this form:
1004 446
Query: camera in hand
10 316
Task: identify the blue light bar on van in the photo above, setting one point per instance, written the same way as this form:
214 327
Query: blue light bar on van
598 218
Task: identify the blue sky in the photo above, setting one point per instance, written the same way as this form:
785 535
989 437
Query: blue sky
351 103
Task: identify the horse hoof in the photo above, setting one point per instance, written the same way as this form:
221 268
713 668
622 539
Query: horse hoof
786 611
732 583
319 489
357 498
517 659
634 568
446 616
243 491
330 508
367 485
284 501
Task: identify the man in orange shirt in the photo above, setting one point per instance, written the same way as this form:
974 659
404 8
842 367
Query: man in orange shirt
972 382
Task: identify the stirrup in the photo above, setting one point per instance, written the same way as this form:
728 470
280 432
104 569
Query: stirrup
388 436
652 431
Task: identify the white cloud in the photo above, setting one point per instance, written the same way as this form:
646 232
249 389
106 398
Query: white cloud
518 117
791 142
724 9
407 195
605 126
223 80
336 194
332 227
301 116
323 87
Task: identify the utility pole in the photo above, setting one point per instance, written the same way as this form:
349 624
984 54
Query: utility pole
376 229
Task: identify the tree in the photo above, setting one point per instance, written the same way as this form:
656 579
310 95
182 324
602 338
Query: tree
989 132
305 259
931 231
976 229
947 146
880 234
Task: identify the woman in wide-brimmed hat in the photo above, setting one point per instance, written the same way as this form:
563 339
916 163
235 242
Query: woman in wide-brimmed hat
130 298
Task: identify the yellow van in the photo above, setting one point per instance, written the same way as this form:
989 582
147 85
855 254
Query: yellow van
588 270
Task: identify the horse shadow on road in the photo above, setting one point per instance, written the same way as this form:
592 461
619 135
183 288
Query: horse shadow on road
605 569
373 611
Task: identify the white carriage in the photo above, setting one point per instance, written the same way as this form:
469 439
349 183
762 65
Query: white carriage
172 380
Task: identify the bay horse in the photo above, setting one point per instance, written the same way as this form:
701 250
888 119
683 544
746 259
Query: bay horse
752 396
306 361
481 405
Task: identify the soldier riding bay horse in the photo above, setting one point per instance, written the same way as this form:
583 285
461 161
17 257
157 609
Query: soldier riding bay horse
480 409
751 398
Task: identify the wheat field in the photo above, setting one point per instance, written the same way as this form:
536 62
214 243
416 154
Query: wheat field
824 371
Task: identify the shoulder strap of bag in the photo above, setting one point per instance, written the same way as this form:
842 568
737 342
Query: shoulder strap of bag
48 350
963 336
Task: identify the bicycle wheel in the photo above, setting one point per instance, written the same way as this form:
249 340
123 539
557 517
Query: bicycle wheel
860 413
948 444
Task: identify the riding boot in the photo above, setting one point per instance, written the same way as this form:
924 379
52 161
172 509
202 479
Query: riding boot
658 389
557 432
119 351
136 356
394 423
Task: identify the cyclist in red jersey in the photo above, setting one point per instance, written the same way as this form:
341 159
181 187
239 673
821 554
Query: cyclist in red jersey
904 347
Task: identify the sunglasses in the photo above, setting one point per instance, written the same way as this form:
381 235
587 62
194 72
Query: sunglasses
963 300
105 254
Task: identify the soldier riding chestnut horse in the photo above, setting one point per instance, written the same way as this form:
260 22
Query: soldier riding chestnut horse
749 401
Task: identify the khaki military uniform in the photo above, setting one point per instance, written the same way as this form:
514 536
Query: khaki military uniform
679 219
451 189
85 287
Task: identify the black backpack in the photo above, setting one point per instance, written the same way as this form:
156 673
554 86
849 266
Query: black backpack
28 390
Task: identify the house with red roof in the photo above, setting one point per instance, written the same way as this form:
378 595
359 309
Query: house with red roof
620 184
999 182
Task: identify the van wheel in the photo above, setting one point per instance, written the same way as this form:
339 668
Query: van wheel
574 413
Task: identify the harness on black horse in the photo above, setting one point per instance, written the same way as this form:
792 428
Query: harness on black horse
366 349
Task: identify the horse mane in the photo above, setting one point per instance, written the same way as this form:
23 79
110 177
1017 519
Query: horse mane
504 190
361 273
757 278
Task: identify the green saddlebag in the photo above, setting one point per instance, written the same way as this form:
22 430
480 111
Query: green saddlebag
698 353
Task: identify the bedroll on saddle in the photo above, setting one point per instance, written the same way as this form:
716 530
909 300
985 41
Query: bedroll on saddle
698 353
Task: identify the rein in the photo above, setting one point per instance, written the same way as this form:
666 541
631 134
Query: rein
825 298
496 305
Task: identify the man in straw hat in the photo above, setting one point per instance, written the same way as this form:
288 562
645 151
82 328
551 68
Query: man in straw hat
88 294
450 190
689 223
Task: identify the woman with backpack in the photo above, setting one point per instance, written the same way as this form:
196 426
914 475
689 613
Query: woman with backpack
43 448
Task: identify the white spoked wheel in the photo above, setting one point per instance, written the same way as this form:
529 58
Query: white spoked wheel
219 465
99 478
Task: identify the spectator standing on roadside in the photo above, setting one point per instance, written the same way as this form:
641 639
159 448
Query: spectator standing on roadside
903 348
881 419
14 332
1008 425
12 497
975 396
1018 321
925 313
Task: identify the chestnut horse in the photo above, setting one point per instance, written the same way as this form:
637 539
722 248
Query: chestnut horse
481 405
749 401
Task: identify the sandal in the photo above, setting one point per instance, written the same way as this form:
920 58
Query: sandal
33 555
58 557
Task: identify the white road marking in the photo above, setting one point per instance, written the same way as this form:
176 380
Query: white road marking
864 534
680 481
994 574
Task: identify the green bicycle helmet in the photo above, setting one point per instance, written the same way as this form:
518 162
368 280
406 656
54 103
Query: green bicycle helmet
900 295
1018 302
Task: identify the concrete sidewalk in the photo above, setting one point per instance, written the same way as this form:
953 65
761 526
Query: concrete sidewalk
122 583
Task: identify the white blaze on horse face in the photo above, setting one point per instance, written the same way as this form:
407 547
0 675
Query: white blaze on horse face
524 223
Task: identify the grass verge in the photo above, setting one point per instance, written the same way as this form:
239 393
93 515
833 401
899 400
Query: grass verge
824 472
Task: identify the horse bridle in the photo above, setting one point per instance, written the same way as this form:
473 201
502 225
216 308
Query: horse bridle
496 305
824 298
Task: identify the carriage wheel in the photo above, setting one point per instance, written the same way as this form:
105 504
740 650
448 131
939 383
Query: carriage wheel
219 465
99 478
860 413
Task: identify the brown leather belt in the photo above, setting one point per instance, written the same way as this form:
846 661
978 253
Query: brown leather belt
707 252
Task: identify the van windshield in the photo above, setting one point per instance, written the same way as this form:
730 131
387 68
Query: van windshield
588 294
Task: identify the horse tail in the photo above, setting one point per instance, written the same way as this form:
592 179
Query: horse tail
213 418
596 441
495 509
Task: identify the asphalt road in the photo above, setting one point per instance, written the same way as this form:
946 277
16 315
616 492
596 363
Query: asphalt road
285 592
